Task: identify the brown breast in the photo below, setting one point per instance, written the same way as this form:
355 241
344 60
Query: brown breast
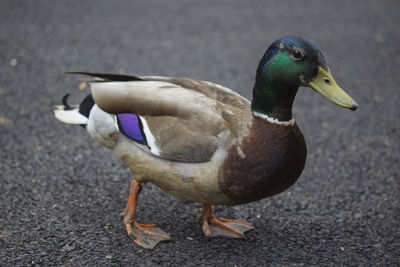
268 161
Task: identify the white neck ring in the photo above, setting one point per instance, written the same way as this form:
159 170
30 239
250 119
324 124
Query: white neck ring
273 120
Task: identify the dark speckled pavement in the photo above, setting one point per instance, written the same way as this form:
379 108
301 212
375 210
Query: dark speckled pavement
61 193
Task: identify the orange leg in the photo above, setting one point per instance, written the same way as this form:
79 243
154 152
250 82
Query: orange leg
145 235
219 227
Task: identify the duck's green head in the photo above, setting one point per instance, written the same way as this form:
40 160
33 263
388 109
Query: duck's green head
288 63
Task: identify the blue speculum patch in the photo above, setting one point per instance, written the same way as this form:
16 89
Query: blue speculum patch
130 125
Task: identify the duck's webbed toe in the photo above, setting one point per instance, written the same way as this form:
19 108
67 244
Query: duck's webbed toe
219 227
146 235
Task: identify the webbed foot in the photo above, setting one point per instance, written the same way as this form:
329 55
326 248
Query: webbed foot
145 235
219 227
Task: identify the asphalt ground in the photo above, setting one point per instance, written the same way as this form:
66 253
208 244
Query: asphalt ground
62 194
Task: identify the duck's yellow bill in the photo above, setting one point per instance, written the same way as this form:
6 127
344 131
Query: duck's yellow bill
326 86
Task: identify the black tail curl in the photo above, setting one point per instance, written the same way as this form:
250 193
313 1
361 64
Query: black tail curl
65 102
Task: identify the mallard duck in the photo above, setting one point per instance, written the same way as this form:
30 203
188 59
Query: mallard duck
202 142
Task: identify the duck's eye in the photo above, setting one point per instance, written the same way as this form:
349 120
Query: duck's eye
297 54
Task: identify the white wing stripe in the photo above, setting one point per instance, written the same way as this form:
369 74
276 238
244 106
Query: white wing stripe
151 141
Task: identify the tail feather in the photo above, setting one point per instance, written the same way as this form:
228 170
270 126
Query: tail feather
108 76
70 116
74 114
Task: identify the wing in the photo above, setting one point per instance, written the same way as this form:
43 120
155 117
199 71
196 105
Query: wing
173 118
176 123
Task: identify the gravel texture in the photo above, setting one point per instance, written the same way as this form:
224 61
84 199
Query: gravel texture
61 193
